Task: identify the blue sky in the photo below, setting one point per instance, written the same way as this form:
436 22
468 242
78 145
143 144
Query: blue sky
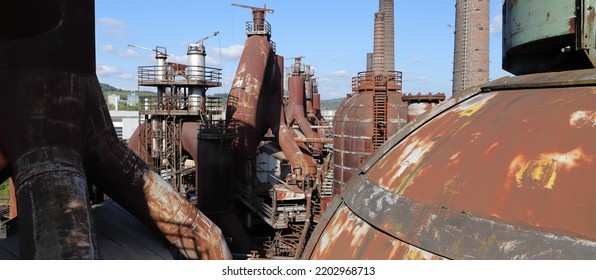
333 36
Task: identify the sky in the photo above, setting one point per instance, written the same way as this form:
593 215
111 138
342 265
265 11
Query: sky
334 37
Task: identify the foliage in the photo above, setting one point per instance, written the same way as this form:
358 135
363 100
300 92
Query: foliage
4 190
331 104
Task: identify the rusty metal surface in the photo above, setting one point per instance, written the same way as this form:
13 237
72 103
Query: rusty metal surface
62 140
353 132
347 236
500 174
242 104
419 104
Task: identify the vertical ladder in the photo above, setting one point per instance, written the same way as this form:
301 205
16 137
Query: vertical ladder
379 118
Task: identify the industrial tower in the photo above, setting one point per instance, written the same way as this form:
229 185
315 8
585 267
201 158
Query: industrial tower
471 57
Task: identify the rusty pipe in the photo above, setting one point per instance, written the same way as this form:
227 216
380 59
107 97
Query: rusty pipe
153 201
53 202
295 109
62 140
277 123
306 228
13 201
242 104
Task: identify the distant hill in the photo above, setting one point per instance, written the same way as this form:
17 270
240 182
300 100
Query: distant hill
106 88
331 104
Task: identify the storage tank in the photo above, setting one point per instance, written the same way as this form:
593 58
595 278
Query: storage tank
366 120
502 171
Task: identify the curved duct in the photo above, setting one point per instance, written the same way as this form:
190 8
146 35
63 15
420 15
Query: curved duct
62 140
276 121
243 102
295 109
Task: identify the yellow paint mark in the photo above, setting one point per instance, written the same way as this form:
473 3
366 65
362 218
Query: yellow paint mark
411 254
469 111
551 181
457 246
408 164
542 171
487 243
470 108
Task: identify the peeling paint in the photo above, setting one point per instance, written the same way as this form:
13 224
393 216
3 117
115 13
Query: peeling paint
472 107
542 171
583 118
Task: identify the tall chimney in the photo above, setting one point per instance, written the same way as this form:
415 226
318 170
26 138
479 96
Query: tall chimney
386 7
471 57
384 38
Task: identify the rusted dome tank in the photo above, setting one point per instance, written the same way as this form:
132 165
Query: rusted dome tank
506 172
365 120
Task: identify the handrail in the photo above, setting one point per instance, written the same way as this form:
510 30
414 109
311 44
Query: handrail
178 72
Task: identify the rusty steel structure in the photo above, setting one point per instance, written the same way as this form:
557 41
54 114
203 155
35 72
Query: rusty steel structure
419 104
501 171
278 154
261 171
375 110
62 141
471 51
364 121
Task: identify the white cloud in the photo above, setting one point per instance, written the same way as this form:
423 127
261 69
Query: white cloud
232 52
335 84
129 53
339 74
109 48
126 76
183 59
104 21
105 70
496 26
113 27
112 71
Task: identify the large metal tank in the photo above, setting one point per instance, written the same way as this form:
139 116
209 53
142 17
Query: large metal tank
548 35
506 172
365 120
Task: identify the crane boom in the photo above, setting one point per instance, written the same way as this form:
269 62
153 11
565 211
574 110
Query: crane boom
254 8
210 36
157 50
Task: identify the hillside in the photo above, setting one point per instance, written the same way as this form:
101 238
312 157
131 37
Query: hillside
330 104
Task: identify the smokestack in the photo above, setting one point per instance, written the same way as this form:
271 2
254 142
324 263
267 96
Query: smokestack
471 57
384 38
386 7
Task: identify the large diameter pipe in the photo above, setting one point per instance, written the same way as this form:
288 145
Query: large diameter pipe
242 104
52 184
295 109
62 140
213 162
153 201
